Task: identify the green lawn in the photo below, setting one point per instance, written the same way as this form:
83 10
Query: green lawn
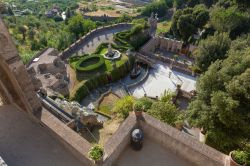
164 26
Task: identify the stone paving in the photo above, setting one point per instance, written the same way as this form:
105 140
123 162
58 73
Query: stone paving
152 154
24 142
161 79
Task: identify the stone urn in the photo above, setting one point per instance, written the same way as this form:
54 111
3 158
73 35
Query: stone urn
232 162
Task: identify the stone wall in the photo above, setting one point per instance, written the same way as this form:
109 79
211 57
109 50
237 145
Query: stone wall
15 81
181 144
119 141
77 145
84 39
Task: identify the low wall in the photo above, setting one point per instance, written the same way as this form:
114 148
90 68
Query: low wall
141 80
69 138
181 144
119 141
76 45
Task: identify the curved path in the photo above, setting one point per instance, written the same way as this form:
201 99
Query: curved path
102 37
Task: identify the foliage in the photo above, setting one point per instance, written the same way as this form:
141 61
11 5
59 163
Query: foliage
85 65
164 110
78 26
186 22
159 7
133 38
138 106
230 20
123 106
146 102
222 104
211 49
96 152
239 157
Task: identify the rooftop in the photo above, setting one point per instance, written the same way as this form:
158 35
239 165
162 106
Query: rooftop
25 142
152 153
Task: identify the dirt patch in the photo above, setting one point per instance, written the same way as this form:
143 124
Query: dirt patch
101 135
107 104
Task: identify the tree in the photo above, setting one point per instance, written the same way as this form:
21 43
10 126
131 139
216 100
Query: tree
186 26
23 29
185 23
31 34
164 110
78 26
222 104
245 4
58 18
211 49
159 7
227 20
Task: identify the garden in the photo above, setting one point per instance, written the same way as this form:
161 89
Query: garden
93 71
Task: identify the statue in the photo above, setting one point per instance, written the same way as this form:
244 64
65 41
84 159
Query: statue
110 49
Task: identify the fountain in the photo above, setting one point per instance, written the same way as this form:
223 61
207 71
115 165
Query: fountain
112 54
136 71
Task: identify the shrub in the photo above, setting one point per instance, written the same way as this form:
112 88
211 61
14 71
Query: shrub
100 47
139 106
239 157
146 102
96 152
123 106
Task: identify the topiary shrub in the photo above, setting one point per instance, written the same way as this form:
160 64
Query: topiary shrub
89 63
96 152
239 157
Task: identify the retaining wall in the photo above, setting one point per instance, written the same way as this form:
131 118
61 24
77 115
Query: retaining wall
86 38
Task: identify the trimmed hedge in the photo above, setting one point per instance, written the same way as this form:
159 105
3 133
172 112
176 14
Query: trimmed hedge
90 67
102 79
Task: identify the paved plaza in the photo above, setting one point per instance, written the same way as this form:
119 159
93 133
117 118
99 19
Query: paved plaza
161 79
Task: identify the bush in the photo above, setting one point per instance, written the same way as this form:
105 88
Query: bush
79 65
96 152
100 47
239 157
123 106
146 102
139 106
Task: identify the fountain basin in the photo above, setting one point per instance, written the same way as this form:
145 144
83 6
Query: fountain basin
115 54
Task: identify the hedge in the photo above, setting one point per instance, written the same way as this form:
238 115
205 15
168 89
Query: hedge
102 79
90 67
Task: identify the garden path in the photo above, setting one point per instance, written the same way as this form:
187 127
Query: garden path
103 37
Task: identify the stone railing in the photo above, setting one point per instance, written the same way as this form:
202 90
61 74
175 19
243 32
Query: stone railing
84 39
177 66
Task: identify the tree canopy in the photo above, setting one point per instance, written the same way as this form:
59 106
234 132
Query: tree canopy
211 49
222 105
186 22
